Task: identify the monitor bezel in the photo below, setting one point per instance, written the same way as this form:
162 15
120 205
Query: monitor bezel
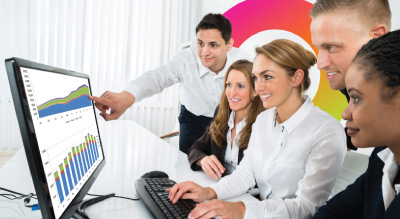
13 67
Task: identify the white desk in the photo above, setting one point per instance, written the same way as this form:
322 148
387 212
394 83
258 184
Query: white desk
130 151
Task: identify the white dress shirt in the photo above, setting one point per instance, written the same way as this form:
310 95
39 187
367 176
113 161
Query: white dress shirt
295 164
200 87
231 159
389 173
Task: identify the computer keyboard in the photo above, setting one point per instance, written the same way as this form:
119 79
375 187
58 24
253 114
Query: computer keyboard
152 192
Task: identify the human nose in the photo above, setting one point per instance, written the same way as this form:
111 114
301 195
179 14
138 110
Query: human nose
323 60
206 50
258 86
346 114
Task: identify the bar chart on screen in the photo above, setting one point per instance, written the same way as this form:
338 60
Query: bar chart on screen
66 130
71 171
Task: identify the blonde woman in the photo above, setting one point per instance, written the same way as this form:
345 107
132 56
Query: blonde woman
295 149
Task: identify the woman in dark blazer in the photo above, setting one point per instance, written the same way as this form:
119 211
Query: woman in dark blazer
221 147
373 118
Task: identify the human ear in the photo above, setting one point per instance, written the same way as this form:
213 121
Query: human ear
298 77
230 44
378 31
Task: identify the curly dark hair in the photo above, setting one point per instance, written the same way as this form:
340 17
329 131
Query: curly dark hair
380 59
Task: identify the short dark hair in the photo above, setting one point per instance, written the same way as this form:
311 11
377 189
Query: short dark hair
379 59
369 12
216 21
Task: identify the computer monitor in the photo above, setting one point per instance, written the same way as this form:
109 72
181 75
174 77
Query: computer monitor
59 130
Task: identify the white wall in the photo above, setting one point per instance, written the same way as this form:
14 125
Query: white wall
13 43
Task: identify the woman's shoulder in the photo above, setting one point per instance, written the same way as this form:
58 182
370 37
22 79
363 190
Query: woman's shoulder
268 114
322 119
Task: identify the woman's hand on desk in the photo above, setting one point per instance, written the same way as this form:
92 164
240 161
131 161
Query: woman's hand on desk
211 166
117 102
220 208
190 190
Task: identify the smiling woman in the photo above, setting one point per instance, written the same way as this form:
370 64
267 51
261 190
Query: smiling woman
220 149
373 120
294 153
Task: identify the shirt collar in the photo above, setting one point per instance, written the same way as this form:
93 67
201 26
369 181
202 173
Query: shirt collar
231 122
298 116
204 70
386 155
389 170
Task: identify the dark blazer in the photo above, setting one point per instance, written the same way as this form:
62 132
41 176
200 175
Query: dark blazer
363 198
205 146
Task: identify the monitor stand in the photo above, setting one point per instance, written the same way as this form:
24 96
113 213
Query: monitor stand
80 212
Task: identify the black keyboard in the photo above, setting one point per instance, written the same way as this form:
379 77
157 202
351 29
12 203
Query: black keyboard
152 192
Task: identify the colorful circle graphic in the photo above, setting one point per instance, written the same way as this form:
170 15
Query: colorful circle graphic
253 16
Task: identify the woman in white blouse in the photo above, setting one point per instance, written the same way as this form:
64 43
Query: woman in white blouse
294 153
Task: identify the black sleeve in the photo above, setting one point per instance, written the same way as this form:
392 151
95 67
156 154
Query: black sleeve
200 149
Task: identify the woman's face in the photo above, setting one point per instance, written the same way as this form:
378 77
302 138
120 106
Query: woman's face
271 83
371 122
238 91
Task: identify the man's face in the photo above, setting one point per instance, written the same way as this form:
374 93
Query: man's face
337 44
212 49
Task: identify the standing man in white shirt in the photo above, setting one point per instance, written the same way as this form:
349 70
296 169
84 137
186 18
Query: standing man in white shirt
339 28
201 73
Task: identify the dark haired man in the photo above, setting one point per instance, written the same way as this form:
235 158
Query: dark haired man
201 73
339 28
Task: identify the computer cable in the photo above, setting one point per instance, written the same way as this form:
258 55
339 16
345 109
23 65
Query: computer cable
27 198
115 196
80 212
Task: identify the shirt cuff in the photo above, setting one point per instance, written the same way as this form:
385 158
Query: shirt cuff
254 209
135 90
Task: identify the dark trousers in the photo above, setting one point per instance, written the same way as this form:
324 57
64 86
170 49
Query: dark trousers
191 128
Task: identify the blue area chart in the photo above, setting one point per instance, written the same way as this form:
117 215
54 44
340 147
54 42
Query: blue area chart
80 102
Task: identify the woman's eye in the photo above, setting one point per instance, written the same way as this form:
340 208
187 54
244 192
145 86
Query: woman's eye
355 99
228 85
267 77
241 86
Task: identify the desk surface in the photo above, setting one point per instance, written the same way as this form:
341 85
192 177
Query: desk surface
130 151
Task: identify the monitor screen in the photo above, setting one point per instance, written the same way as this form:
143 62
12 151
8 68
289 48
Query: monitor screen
59 128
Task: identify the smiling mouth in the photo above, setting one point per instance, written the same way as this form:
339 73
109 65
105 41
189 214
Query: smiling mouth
265 96
332 73
235 100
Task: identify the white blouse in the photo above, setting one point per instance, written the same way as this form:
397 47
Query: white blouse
231 159
295 164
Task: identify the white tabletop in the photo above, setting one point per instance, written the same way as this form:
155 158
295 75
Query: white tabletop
130 151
